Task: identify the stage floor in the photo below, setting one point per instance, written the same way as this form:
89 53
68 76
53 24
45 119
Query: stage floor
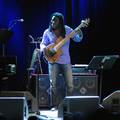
46 115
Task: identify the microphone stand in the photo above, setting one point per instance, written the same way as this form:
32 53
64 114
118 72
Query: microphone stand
12 25
13 22
5 35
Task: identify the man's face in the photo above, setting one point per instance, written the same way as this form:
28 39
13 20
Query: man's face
54 22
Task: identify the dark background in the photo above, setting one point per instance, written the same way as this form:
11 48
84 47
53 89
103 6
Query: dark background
100 38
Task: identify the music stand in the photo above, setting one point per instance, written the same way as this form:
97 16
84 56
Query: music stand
5 35
101 63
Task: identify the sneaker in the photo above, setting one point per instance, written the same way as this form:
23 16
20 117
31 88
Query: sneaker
54 108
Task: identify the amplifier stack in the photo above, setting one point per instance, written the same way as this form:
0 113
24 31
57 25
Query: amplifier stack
84 85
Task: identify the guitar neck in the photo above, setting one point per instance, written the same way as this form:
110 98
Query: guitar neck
64 40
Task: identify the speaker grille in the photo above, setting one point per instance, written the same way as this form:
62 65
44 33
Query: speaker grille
85 85
43 91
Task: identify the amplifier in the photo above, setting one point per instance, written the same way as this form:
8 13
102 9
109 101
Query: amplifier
8 72
79 68
8 65
84 85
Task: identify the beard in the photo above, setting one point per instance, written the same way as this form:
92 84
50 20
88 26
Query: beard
55 26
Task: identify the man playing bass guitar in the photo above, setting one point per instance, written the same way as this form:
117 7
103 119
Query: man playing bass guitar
55 46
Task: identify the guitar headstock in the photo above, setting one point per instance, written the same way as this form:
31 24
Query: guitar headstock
85 23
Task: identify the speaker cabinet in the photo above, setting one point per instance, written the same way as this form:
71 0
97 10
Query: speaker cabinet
43 91
13 108
112 102
33 85
83 104
31 101
39 88
85 85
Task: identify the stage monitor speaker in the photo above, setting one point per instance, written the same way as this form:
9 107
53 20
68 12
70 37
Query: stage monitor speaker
112 102
13 108
83 104
31 101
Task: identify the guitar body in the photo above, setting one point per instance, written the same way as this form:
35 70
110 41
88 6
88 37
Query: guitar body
53 58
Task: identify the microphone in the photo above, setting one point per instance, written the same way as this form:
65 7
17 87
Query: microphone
20 20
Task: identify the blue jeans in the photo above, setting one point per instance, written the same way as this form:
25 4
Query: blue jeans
65 69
